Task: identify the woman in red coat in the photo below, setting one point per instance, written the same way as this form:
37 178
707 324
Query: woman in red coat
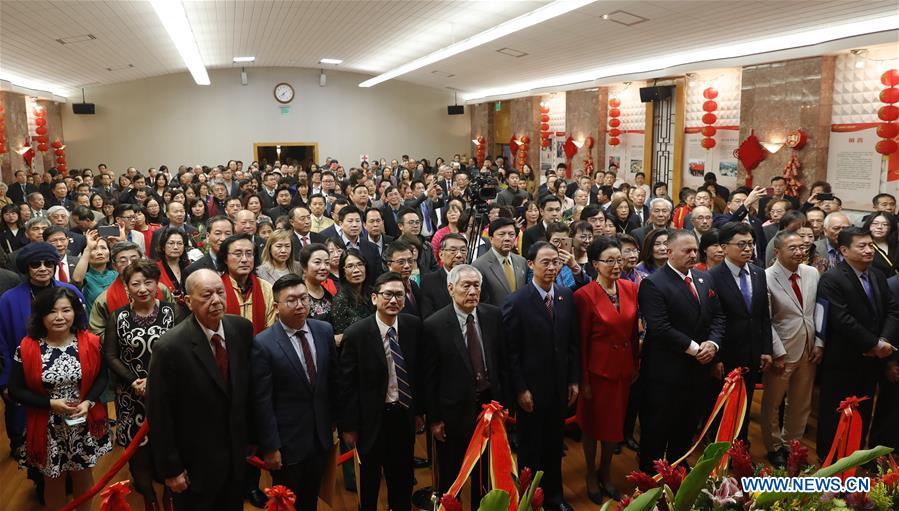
607 313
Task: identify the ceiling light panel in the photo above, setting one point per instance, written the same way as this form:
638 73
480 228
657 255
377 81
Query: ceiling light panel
174 19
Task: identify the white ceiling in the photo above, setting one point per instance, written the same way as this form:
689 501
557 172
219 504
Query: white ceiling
373 36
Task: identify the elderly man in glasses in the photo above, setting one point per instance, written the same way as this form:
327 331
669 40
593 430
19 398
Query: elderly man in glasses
38 261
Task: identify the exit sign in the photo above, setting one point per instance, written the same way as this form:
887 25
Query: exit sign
498 106
285 110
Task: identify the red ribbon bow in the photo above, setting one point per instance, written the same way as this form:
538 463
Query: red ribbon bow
113 498
848 437
280 498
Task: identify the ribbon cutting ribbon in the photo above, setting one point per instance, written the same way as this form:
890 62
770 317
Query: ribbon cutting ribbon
848 437
114 497
280 498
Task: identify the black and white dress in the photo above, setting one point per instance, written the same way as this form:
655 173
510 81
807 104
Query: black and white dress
69 448
128 346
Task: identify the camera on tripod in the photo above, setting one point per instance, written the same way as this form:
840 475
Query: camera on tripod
482 188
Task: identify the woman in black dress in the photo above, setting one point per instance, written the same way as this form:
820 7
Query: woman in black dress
352 302
130 335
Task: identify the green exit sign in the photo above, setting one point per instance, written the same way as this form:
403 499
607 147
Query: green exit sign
285 110
498 106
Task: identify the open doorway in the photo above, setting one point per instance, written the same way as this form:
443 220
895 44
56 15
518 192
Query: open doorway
294 153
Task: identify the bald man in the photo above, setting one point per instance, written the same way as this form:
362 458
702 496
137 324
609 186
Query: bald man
200 451
826 247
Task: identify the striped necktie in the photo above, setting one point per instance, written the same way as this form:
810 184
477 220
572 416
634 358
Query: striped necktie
399 367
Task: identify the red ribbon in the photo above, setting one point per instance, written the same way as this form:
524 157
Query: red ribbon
114 497
280 498
848 437
489 429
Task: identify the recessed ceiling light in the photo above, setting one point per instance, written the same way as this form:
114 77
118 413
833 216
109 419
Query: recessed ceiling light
83 38
527 20
625 18
605 16
121 67
512 52
174 19
442 74
331 61
243 59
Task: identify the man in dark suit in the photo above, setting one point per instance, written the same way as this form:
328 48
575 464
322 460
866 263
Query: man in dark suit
391 209
398 259
283 202
550 211
862 329
464 370
410 223
19 190
348 233
373 222
295 372
684 329
743 294
218 228
198 401
176 215
381 396
779 187
269 190
426 202
301 222
544 366
59 216
659 218
58 237
434 294
738 210
885 429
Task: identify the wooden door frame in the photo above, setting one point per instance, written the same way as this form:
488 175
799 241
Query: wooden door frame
286 144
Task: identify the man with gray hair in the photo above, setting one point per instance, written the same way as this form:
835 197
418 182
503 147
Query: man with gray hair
434 295
826 247
59 216
659 218
34 231
464 370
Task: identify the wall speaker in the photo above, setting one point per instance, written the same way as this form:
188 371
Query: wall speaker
84 108
455 109
243 77
649 94
322 80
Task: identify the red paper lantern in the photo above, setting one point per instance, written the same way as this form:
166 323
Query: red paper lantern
614 102
614 132
544 109
41 130
544 143
525 139
708 143
59 152
62 168
42 139
709 118
43 147
544 118
40 112
544 127
614 141
708 131
887 130
710 106
589 142
2 149
890 78
61 160
40 121
886 147
56 144
614 123
888 113
889 96
710 93
614 112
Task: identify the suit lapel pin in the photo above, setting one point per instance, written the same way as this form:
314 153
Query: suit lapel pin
700 281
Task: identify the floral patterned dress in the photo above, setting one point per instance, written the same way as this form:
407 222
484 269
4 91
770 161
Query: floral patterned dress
69 448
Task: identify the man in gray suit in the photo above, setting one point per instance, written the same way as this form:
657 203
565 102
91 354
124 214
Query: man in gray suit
826 247
792 290
504 272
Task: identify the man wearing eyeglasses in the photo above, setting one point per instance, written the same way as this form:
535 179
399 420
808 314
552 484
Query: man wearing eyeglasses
743 294
398 258
294 369
434 293
740 209
381 396
38 260
504 272
124 215
247 295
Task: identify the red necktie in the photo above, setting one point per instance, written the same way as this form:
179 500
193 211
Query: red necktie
221 355
307 357
689 282
793 280
62 272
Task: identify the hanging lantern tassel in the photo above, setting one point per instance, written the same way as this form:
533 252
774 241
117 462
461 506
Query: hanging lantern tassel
792 176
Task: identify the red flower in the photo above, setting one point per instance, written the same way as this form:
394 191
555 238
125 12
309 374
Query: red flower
765 472
859 501
450 503
642 480
524 479
798 458
672 476
537 501
891 478
625 501
740 460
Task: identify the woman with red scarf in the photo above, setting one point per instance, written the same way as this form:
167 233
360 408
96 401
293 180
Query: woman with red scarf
59 374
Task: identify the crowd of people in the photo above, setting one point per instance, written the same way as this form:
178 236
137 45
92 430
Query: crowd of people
274 309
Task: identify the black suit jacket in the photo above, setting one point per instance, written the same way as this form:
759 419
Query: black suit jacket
15 192
278 211
268 202
296 245
77 242
758 232
291 414
532 235
363 376
543 352
674 318
747 334
434 295
201 423
205 262
373 264
854 325
390 225
452 397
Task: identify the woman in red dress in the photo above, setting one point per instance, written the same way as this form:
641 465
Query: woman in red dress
607 313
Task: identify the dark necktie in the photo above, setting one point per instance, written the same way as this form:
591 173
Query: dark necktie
410 297
399 367
307 357
548 302
866 284
794 282
221 355
476 354
744 288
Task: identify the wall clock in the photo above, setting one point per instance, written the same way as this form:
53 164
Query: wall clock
284 93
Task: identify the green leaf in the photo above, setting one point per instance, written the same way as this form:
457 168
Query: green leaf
524 504
843 464
696 479
646 501
605 507
496 500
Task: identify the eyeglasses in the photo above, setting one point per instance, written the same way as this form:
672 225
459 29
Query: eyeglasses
242 255
611 261
630 251
412 222
354 266
391 295
453 250
742 245
293 301
37 264
401 262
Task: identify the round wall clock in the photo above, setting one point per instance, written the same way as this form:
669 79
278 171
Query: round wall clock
284 92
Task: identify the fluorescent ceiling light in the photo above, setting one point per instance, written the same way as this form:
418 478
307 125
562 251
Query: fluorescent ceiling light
659 63
331 61
36 85
527 20
244 59
174 19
